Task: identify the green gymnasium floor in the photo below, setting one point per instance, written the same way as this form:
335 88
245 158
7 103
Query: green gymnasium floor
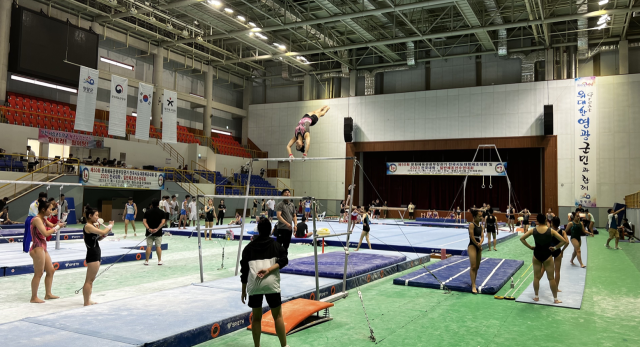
400 316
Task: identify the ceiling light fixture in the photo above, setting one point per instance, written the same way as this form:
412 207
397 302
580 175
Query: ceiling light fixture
261 36
117 63
195 22
256 29
133 11
241 18
252 24
214 2
228 10
44 84
603 2
220 131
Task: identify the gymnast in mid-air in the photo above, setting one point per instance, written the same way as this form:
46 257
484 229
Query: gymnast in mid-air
301 135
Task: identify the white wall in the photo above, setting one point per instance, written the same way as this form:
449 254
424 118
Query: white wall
14 138
490 111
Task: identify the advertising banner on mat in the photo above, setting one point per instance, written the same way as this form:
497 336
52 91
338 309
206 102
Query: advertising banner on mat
170 117
109 177
585 121
143 120
68 139
118 106
87 93
448 168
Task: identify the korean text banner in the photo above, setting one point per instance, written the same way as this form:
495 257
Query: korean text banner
143 122
107 177
170 117
448 168
86 104
585 122
68 139
118 106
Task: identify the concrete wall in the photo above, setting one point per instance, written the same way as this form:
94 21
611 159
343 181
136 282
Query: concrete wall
489 111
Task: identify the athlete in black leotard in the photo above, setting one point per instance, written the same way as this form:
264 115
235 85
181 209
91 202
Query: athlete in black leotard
92 234
491 225
475 247
576 229
558 253
542 255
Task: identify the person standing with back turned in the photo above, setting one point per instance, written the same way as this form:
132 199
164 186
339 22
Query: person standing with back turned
153 220
286 214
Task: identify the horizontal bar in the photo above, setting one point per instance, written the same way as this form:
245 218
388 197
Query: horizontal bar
42 183
335 297
331 235
220 227
301 159
255 197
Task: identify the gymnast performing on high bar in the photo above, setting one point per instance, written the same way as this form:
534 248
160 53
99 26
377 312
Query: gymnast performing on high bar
301 134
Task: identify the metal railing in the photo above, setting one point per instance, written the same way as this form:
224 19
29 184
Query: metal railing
54 169
632 200
281 185
173 153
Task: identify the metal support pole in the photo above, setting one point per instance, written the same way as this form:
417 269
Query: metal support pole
315 248
59 210
346 248
199 241
244 212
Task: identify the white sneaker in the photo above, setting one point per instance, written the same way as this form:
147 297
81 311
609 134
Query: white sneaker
146 262
160 262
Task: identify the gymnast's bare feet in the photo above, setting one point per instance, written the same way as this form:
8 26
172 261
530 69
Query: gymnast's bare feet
556 301
91 303
51 297
536 299
37 300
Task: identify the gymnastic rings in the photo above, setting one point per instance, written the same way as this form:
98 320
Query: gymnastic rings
490 187
482 186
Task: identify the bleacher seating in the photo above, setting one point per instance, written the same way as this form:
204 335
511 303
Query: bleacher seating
259 184
228 146
8 164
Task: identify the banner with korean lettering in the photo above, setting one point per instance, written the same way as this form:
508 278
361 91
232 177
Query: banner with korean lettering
143 120
448 168
86 103
585 121
170 117
108 177
118 106
68 139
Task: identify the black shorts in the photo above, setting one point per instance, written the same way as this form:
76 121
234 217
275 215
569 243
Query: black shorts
93 255
410 214
342 211
314 119
273 300
512 217
283 237
167 216
493 232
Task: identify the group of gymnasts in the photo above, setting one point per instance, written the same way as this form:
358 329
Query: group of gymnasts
434 214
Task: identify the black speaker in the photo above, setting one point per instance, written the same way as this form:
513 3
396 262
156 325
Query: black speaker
348 129
548 119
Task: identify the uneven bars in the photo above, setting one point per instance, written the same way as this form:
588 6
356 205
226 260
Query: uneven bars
42 183
302 159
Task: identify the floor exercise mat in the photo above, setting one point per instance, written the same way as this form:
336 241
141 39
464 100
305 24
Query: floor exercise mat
332 264
454 273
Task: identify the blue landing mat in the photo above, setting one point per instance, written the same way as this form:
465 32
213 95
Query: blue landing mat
24 334
13 226
331 264
572 281
454 273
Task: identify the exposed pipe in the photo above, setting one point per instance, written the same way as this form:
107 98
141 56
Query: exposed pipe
583 34
492 9
528 64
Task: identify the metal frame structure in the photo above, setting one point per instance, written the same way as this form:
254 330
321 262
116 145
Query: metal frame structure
48 184
464 192
315 231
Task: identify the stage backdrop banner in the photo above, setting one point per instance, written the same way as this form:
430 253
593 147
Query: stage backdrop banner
143 120
86 104
586 154
170 117
68 139
448 168
118 106
108 177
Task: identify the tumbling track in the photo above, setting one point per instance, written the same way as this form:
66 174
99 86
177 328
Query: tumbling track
194 314
13 261
383 237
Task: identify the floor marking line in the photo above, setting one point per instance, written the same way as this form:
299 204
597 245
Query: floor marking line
491 274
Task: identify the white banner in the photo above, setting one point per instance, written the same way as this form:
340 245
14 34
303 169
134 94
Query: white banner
586 155
448 168
170 117
109 177
86 104
143 121
118 106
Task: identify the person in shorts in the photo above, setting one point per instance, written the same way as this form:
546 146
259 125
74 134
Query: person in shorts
153 220
260 267
301 231
286 214
411 208
130 214
613 226
271 208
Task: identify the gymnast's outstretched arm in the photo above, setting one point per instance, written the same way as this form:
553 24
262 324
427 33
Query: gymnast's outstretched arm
291 142
321 111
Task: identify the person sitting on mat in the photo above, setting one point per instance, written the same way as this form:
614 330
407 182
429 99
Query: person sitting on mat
474 249
452 215
301 231
92 234
301 134
365 229
237 221
4 216
491 227
542 252
260 267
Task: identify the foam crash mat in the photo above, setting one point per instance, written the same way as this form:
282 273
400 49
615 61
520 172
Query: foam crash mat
454 273
331 264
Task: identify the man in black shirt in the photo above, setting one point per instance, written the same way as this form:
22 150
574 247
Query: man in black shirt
153 220
301 229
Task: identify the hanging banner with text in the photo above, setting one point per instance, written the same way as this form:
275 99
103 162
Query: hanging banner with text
586 154
108 177
86 104
170 117
68 139
448 168
118 106
143 120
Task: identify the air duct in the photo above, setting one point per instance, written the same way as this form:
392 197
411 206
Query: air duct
528 64
583 34
492 9
370 77
411 54
285 74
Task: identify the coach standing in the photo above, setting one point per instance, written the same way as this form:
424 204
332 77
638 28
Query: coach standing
286 214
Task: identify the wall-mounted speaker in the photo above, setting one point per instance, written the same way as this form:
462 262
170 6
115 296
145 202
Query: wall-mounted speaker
548 119
348 129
